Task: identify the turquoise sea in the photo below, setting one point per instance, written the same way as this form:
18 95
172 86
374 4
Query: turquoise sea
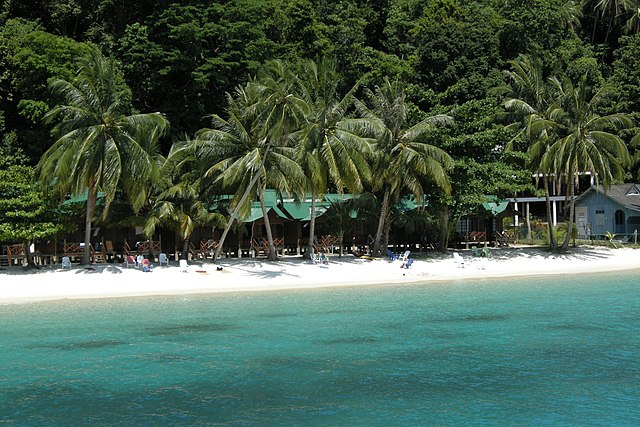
540 352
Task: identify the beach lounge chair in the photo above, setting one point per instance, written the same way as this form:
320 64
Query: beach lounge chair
129 261
458 260
392 256
66 262
162 259
405 256
184 266
407 264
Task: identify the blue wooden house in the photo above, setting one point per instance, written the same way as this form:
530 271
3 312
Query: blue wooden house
616 211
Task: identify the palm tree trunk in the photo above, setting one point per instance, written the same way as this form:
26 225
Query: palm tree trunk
247 191
528 221
387 230
312 223
185 248
272 256
567 238
381 221
92 196
552 238
443 229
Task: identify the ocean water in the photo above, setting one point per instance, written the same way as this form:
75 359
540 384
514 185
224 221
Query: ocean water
541 351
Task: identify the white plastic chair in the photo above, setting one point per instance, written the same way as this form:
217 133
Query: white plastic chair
404 257
458 259
66 262
184 266
139 259
162 259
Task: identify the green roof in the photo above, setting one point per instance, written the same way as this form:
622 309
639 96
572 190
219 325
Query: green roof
301 210
81 198
495 206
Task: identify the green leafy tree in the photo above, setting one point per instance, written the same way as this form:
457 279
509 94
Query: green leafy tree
29 211
29 58
97 147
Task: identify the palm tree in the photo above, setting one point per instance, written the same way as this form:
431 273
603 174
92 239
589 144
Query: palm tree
178 202
248 150
585 145
530 98
400 159
98 147
328 149
632 12
603 9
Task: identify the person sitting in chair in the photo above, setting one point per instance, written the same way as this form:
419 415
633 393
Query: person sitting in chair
146 265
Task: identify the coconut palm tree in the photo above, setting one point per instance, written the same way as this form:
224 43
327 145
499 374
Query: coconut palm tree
530 97
178 205
327 147
248 150
401 160
585 143
98 146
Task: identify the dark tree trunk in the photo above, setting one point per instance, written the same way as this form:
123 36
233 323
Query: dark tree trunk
377 244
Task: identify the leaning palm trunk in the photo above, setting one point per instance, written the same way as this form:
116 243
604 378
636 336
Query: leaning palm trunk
312 224
243 199
443 230
377 244
272 256
552 238
92 196
387 230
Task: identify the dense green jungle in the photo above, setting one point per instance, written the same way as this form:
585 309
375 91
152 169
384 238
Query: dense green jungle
158 107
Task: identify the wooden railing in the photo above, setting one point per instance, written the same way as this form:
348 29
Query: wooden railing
208 247
262 246
15 252
149 246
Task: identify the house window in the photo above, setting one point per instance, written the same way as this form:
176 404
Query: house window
599 217
619 217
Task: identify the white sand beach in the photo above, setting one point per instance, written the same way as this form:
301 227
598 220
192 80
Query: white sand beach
247 274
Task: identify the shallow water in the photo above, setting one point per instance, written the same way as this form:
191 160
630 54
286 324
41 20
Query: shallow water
542 351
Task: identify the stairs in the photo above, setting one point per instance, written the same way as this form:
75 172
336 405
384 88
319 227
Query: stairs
4 261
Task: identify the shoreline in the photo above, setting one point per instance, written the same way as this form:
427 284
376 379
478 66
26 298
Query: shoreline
52 283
